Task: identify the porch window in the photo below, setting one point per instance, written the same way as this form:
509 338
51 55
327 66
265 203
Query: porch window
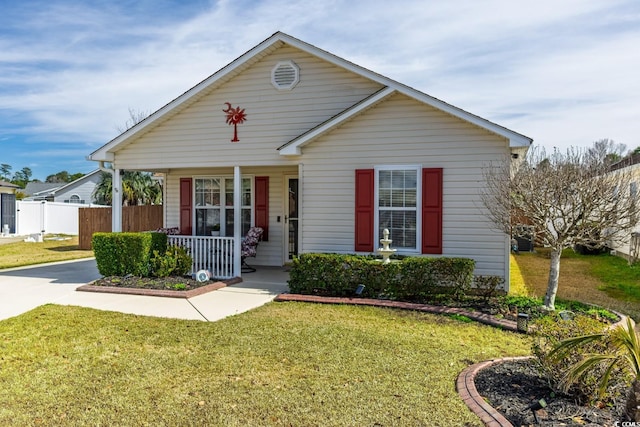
214 205
397 203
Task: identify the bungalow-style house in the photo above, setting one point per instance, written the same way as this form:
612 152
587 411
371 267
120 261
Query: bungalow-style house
8 207
78 191
323 155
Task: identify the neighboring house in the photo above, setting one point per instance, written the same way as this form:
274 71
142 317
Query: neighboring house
8 207
38 191
630 247
329 154
78 191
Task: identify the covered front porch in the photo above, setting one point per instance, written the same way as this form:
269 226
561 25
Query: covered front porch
209 212
214 254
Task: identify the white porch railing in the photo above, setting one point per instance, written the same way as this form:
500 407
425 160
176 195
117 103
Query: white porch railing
209 253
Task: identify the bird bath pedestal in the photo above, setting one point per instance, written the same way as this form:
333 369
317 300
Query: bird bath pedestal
385 250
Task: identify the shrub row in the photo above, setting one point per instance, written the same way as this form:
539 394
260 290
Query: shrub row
139 254
409 279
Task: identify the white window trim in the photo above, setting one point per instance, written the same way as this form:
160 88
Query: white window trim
69 200
222 207
376 219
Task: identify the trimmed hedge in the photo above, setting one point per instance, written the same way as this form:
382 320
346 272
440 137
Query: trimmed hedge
409 279
119 254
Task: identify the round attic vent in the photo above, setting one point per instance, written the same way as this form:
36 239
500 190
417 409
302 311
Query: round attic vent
285 75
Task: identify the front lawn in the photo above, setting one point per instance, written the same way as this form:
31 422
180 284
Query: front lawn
281 364
19 254
605 280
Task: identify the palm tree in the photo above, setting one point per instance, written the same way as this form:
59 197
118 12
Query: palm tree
624 345
138 188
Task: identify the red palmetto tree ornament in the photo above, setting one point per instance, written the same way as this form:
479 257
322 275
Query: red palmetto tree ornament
235 116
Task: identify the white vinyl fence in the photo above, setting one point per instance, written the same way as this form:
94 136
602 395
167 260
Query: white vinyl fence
47 217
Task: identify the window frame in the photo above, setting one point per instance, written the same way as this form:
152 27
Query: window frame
224 204
418 208
71 200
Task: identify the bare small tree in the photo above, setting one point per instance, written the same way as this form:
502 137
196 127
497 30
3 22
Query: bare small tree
135 117
569 199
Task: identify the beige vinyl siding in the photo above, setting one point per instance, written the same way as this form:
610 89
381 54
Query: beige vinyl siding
623 248
401 131
269 253
199 136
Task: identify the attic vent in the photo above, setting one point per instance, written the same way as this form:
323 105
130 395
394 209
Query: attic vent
285 75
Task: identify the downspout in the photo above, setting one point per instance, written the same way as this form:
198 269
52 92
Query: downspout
116 189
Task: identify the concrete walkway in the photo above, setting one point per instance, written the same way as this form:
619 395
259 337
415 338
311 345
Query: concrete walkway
23 289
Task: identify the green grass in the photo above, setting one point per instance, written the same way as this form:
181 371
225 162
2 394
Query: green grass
279 365
604 280
19 254
620 280
517 283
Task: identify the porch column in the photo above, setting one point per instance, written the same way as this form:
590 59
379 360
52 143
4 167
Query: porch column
300 207
116 201
237 221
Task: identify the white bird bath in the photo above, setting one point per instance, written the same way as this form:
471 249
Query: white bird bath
385 250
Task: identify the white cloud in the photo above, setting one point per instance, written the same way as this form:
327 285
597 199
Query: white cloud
559 72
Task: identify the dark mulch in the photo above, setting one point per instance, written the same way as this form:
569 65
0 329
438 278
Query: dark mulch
512 387
171 283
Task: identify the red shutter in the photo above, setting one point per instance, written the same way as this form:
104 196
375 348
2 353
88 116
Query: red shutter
364 210
185 206
262 205
432 211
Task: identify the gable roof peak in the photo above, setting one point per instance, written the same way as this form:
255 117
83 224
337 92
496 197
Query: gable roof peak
105 153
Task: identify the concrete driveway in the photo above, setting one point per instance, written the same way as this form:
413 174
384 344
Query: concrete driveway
23 289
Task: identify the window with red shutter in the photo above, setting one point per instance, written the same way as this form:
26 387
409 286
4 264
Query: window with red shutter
432 211
405 194
365 205
186 205
262 205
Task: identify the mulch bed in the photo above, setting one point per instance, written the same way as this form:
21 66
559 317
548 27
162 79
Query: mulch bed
512 387
165 283
173 286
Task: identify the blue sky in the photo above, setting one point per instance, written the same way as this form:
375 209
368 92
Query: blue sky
564 73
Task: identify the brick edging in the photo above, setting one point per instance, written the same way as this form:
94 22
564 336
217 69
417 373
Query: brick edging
159 292
466 387
465 383
487 319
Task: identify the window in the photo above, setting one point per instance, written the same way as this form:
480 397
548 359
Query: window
214 205
633 190
397 202
397 199
74 199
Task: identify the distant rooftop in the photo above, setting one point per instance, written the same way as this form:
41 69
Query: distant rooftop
41 188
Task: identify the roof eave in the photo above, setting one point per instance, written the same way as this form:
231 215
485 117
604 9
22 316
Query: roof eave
106 152
294 147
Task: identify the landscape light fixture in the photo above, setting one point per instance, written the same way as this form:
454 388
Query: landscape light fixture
522 323
536 406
